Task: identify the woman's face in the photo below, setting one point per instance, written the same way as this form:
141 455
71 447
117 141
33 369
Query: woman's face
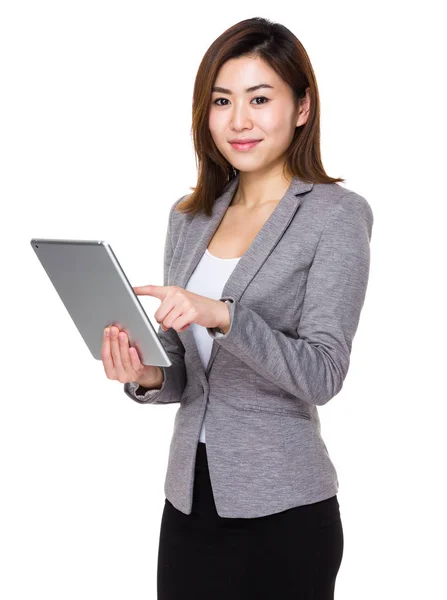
268 114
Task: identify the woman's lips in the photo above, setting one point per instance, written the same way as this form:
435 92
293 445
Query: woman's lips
246 146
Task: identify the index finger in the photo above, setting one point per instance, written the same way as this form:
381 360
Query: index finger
106 355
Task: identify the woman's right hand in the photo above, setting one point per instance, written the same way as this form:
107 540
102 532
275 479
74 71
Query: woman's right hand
122 362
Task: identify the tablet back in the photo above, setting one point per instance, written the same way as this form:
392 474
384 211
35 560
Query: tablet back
96 292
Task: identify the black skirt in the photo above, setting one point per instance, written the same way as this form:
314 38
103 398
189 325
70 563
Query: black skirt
291 555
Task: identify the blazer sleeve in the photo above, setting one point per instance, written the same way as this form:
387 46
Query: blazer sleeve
175 375
313 366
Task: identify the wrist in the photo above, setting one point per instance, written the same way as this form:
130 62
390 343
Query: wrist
154 382
224 325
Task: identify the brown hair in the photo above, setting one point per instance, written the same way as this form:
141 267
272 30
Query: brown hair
284 53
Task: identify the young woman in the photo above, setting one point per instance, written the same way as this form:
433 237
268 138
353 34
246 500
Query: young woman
265 275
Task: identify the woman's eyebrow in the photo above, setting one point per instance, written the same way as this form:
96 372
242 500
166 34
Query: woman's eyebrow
250 89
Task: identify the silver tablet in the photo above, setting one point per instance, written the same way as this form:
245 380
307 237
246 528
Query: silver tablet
96 292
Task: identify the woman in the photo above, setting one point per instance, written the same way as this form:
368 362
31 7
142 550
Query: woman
268 258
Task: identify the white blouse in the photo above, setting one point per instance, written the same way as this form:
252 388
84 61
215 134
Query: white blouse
208 279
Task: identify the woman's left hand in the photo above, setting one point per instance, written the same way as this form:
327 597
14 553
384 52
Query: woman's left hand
179 308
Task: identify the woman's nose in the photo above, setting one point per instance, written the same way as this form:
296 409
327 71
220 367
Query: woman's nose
240 118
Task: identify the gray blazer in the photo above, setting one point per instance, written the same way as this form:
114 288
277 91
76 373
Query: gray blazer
296 297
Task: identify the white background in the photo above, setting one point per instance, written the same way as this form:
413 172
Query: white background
96 143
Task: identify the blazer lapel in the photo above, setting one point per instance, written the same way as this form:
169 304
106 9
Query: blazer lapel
199 235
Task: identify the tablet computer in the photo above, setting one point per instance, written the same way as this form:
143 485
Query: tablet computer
96 293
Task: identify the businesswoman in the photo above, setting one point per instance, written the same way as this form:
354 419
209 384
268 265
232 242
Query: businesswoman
265 273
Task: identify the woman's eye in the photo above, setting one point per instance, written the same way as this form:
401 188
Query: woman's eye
226 99
263 97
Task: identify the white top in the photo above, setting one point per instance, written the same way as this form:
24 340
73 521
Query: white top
208 279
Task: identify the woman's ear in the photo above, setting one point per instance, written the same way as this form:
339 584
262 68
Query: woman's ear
304 109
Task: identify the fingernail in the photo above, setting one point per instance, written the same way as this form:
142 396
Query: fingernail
107 331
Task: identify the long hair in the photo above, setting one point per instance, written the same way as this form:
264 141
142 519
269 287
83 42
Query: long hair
284 53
